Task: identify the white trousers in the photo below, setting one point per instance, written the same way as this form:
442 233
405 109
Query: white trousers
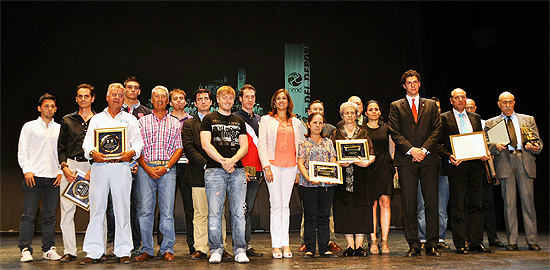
280 191
117 178
68 208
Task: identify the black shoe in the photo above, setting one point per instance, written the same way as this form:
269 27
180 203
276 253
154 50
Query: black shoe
496 243
251 252
534 247
308 255
413 252
360 252
431 251
481 248
329 254
511 247
348 252
226 255
462 250
442 246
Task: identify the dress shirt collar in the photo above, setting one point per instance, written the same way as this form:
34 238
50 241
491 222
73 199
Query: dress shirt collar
135 106
416 100
201 116
106 110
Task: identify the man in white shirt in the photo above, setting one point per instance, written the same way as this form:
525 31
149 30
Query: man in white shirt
111 175
37 157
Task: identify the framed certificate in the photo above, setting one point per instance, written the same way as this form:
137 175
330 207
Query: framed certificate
349 150
499 133
110 141
79 191
469 146
326 172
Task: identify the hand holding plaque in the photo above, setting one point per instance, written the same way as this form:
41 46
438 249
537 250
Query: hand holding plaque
350 150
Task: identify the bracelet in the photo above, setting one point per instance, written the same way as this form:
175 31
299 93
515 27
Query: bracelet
63 166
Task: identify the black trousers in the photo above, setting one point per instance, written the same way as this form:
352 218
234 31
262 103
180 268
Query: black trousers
429 184
467 183
31 198
489 213
317 202
187 198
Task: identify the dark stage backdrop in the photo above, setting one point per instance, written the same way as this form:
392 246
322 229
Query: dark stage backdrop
356 48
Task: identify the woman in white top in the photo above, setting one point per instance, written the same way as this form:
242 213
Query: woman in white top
278 147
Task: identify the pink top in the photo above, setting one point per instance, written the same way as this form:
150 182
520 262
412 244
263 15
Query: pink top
285 149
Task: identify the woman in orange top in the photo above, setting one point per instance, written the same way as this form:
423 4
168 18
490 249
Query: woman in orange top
278 148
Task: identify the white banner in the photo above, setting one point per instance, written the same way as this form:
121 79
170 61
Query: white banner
297 77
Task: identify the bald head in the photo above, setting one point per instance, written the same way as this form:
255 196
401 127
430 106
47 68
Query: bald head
470 105
506 103
458 99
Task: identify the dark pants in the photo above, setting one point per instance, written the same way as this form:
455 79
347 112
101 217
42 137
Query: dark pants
317 202
489 213
429 184
50 197
251 192
187 198
466 182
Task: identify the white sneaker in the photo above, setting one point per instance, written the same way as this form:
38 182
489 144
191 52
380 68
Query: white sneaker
26 255
51 255
242 258
215 258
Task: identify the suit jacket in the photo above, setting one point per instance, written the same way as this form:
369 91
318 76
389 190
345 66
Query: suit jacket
449 127
502 158
406 133
190 136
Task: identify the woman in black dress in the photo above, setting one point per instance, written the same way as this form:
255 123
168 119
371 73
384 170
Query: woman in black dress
352 206
381 174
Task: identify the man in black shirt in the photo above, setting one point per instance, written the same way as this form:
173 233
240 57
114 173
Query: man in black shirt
224 139
71 157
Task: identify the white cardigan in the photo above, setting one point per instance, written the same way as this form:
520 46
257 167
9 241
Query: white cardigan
268 137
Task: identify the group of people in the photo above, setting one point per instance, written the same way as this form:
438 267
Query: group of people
222 155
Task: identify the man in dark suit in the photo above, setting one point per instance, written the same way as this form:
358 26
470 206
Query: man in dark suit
465 177
516 168
415 127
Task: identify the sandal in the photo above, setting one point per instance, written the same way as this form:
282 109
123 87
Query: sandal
384 247
374 246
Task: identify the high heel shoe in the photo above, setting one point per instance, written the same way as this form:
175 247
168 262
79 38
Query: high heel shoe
374 247
277 255
348 252
287 254
384 246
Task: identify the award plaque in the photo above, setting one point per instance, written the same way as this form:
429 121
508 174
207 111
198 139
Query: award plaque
110 141
326 172
251 172
349 150
79 191
469 146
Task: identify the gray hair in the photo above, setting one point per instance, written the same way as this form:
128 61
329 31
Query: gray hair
160 87
346 105
506 93
116 85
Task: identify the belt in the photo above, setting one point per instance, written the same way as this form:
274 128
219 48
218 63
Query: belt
515 151
79 159
159 162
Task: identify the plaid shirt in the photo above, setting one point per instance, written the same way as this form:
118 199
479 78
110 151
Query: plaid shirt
161 137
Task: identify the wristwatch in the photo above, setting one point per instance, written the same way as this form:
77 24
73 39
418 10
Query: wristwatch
167 168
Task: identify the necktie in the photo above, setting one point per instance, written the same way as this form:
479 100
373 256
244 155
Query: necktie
415 114
511 132
463 125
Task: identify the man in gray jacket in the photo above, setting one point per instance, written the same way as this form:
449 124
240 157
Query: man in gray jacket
516 169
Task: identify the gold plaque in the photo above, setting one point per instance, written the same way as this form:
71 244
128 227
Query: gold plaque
327 172
349 150
110 141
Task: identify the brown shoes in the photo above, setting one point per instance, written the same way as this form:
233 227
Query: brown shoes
67 258
303 248
168 257
197 255
143 257
89 260
332 246
125 259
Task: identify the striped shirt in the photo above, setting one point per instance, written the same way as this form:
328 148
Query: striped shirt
161 137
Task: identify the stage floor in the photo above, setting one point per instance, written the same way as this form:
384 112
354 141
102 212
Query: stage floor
501 259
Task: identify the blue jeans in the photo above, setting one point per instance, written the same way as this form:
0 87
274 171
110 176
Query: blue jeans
148 188
443 201
217 182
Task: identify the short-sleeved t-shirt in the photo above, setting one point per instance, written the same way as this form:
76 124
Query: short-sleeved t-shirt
225 131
